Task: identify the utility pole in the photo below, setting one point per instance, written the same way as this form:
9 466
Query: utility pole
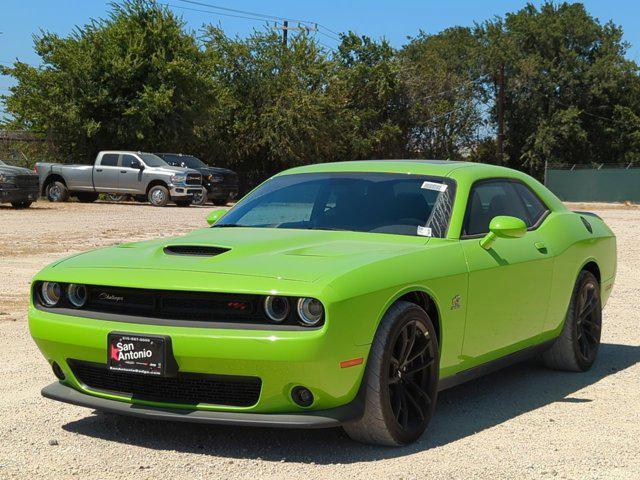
500 108
285 30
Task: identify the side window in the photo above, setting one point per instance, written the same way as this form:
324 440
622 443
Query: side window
127 159
109 160
490 199
534 206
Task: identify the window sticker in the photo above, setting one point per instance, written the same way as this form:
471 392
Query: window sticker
424 231
438 187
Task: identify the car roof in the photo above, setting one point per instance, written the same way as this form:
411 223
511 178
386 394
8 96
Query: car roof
439 168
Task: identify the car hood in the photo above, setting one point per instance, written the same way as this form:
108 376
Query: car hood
170 169
300 255
8 169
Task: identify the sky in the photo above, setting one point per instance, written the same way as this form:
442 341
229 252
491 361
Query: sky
395 21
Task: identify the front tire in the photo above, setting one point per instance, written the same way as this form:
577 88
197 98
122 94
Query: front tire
21 205
220 202
401 379
576 348
158 196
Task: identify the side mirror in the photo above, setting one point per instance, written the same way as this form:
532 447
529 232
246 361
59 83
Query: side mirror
216 215
136 164
503 226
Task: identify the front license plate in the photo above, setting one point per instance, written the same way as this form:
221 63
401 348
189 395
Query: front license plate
136 353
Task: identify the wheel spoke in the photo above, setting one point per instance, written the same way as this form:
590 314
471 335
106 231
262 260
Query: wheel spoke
415 404
588 307
412 341
419 352
419 368
405 411
419 390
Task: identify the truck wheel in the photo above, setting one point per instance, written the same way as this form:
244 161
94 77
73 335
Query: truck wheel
158 196
199 199
21 205
86 197
57 192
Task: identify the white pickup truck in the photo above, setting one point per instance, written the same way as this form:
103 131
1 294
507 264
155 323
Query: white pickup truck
142 175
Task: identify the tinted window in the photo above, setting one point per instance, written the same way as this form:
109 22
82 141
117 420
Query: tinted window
534 206
364 202
490 199
109 160
127 159
152 160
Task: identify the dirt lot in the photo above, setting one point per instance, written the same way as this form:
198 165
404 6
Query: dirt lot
523 422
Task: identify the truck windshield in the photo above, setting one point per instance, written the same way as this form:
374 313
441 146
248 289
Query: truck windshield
392 203
183 161
151 160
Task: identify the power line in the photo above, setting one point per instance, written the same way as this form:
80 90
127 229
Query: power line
214 13
245 12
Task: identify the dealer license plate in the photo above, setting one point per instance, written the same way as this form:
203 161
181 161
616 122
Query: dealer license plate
136 353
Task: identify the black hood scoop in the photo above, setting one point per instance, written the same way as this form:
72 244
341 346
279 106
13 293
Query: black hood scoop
194 250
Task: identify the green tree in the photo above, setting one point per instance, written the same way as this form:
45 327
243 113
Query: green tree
131 81
571 96
441 76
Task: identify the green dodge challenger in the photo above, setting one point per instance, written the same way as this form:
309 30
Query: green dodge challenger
336 294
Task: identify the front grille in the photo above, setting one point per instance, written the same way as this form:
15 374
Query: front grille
194 250
185 388
175 305
194 179
26 181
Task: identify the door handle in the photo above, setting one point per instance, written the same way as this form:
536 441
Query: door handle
98 169
123 171
541 247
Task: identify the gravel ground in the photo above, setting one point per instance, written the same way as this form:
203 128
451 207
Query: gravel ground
522 422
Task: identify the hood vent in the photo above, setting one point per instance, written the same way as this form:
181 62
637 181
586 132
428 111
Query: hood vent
194 250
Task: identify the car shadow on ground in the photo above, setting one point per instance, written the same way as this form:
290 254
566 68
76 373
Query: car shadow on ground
461 411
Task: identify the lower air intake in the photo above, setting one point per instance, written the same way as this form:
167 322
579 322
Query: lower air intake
185 388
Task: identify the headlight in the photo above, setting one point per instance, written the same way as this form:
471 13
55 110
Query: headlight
51 292
77 295
276 308
178 178
217 178
310 311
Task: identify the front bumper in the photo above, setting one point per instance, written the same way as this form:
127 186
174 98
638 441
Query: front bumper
221 191
10 193
184 192
282 359
309 419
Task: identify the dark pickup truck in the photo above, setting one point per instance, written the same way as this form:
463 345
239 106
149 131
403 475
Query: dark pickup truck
221 183
18 186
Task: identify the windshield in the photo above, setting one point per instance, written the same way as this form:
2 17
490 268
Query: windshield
392 203
151 160
183 161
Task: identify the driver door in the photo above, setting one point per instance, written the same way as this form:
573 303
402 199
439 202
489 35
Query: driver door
130 178
509 284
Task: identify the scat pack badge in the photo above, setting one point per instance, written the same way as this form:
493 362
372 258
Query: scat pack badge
455 302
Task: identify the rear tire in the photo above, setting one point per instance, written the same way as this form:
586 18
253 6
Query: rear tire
200 200
401 379
57 192
86 197
21 205
158 196
576 348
